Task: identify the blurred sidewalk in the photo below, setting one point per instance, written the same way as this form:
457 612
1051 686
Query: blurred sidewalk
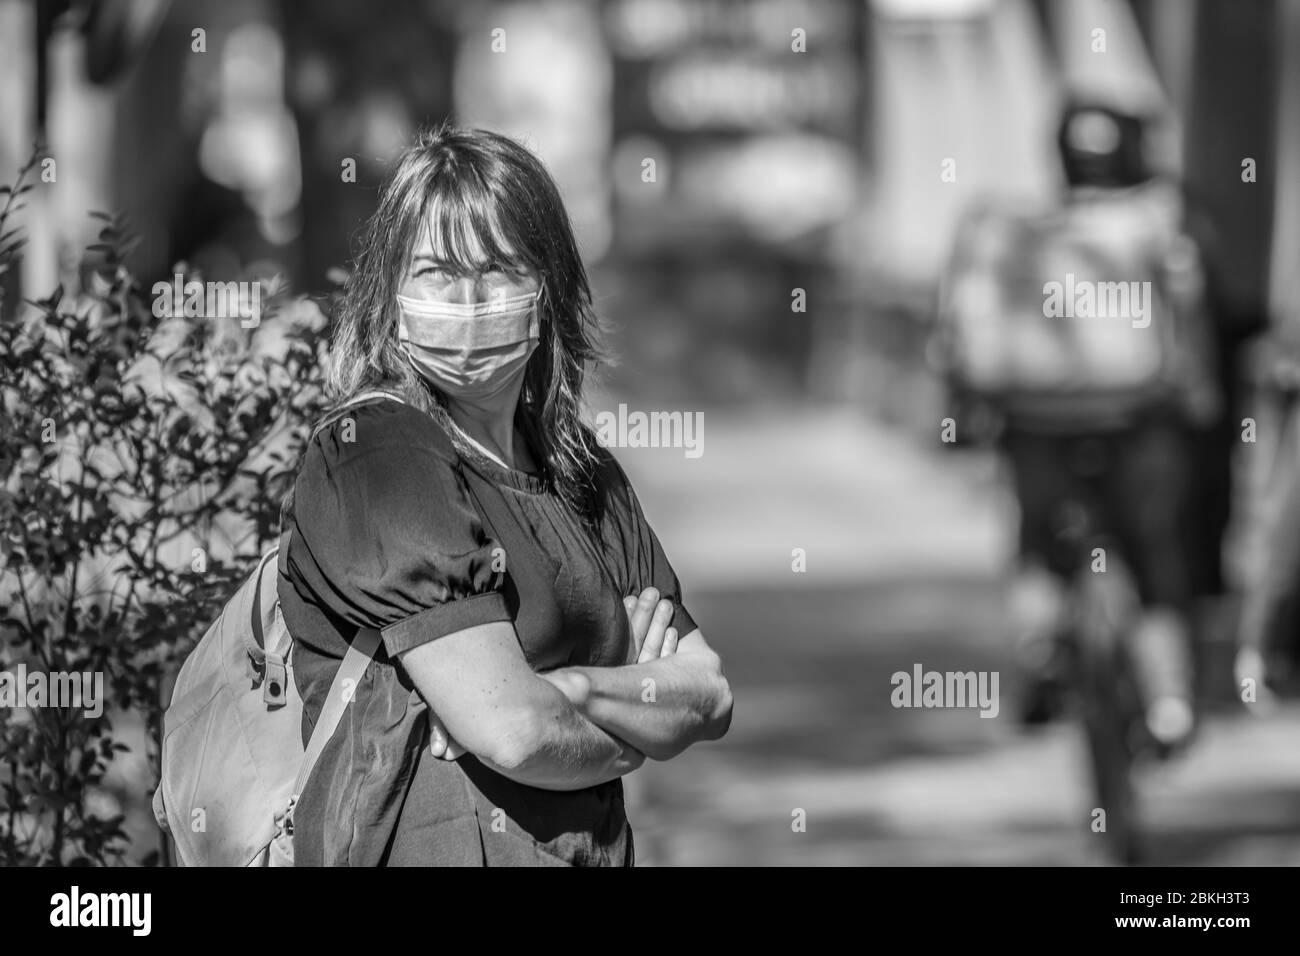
905 546
1232 801
862 500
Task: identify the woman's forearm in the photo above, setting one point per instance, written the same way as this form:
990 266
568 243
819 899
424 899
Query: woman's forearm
564 750
491 703
660 707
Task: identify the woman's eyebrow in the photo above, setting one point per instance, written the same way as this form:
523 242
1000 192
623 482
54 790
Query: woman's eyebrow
509 264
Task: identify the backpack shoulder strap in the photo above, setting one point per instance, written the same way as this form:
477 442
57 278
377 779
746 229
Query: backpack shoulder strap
271 644
263 601
356 400
360 653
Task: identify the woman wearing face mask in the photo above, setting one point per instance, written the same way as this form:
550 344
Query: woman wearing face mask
522 601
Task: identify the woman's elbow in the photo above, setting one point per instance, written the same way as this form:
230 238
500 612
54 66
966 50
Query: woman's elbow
513 741
710 721
719 721
713 710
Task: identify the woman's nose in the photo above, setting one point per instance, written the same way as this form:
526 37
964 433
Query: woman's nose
468 290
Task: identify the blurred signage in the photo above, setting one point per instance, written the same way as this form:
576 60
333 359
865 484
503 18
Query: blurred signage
750 112
940 10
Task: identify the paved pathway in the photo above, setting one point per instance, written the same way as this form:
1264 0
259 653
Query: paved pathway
903 549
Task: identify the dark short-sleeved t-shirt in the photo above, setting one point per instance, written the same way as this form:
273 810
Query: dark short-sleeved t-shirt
394 529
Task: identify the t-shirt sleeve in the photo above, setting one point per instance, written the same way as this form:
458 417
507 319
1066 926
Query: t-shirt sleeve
643 558
386 536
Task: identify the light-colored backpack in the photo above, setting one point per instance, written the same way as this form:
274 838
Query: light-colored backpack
1090 309
233 762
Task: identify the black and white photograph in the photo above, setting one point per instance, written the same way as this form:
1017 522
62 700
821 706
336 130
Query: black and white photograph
757 434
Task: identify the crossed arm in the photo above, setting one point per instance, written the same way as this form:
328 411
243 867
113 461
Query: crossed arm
674 695
574 727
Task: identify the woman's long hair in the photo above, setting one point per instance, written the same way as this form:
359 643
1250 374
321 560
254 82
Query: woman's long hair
478 188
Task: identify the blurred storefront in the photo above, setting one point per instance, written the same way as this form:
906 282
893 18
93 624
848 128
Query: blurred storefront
739 149
765 189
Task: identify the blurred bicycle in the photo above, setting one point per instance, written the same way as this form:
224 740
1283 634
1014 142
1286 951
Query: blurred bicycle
1110 635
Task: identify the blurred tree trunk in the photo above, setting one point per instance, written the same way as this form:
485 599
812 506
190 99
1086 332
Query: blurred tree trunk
1284 282
1232 117
1231 128
359 85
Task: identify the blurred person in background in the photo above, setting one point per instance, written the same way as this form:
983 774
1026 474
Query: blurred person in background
1094 409
502 554
1269 626
1268 636
1136 454
1248 95
1236 111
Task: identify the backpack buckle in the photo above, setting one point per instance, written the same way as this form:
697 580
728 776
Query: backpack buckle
284 820
274 681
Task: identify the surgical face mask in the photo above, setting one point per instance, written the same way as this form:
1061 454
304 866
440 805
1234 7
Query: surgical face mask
470 351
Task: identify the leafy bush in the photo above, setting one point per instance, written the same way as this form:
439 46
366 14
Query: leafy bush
142 462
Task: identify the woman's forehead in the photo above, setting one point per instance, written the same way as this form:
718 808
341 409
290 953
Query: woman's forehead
460 242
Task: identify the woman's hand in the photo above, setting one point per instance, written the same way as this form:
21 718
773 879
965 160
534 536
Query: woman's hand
649 618
441 744
669 694
659 706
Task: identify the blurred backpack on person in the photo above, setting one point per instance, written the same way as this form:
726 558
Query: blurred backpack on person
233 761
1084 315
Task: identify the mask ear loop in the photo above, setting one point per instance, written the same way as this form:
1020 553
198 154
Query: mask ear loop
535 326
536 329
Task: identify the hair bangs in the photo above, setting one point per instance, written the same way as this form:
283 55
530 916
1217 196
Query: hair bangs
470 227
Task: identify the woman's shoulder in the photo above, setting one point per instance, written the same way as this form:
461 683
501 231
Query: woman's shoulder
380 434
384 526
379 458
381 464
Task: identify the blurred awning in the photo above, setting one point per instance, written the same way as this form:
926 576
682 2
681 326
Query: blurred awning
1102 56
964 108
736 120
